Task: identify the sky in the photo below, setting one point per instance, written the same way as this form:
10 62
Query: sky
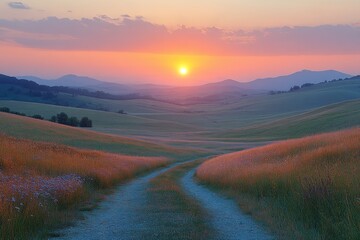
148 41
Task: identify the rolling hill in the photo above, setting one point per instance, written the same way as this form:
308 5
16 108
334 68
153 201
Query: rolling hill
39 130
303 188
329 118
258 109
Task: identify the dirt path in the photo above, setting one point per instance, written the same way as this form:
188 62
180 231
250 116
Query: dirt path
119 217
226 218
126 215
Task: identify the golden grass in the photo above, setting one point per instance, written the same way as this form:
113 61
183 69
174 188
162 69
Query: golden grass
39 179
313 181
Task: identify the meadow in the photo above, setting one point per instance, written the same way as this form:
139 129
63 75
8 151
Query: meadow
39 130
324 119
305 188
144 117
42 184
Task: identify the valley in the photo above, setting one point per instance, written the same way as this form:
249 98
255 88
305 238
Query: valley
184 196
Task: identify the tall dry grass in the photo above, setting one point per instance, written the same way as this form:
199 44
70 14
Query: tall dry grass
313 183
39 180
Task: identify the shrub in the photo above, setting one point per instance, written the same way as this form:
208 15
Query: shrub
62 118
73 121
85 122
37 116
4 109
53 119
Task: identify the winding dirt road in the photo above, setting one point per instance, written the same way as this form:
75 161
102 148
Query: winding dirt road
123 215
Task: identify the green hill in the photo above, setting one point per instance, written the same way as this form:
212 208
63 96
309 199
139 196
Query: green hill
108 122
39 130
330 118
262 108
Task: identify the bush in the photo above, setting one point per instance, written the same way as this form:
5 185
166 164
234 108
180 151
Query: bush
18 113
307 85
73 121
294 88
4 109
62 118
85 122
37 116
53 119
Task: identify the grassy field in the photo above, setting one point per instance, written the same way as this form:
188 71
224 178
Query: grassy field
145 116
42 183
309 187
33 129
104 121
329 118
262 108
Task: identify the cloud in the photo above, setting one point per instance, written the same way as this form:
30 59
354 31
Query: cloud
18 5
138 35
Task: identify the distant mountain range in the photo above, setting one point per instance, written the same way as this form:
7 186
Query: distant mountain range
284 83
72 80
281 83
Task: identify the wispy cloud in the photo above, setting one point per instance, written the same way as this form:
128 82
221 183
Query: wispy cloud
138 35
18 5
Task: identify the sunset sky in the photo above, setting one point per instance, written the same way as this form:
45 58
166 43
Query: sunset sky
148 41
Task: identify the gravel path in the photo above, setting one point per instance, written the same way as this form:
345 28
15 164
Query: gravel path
123 215
118 217
226 218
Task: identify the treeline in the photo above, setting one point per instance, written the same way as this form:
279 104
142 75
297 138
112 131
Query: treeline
61 118
36 90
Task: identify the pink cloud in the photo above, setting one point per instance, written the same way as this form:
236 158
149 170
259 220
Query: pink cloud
138 35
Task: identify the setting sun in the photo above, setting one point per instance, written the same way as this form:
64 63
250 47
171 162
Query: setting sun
183 71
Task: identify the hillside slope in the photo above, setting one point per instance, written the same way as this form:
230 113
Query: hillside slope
43 185
329 118
39 130
284 83
305 188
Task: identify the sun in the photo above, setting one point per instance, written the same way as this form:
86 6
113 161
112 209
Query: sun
183 71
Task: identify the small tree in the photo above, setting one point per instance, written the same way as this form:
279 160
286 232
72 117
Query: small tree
85 122
62 118
4 109
53 119
37 116
294 88
73 121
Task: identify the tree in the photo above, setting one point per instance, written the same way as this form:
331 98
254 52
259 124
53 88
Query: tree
37 116
294 88
5 109
62 118
53 119
85 122
73 121
307 85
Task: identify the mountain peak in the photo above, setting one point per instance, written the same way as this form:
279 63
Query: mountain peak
70 76
229 81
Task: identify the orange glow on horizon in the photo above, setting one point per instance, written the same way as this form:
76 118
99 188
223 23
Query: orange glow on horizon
159 68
